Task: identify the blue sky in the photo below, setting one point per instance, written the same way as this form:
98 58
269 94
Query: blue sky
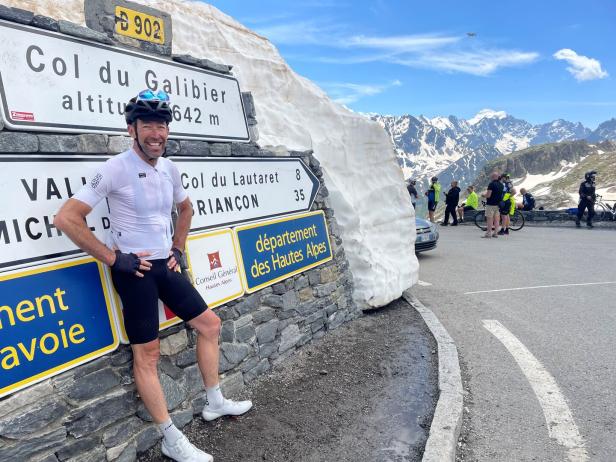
537 60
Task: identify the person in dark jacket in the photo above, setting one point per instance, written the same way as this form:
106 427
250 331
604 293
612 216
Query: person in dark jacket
587 198
451 201
412 191
528 201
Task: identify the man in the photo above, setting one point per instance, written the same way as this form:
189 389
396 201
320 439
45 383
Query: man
413 192
433 193
507 210
494 196
451 200
471 203
141 187
528 201
587 198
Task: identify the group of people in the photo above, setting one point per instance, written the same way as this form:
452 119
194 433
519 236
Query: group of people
502 197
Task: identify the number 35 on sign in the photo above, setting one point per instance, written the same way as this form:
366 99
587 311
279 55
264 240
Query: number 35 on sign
139 25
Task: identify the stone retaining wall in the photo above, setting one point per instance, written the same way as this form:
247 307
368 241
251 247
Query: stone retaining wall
92 412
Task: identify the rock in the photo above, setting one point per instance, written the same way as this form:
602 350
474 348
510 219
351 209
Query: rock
43 22
14 142
119 144
73 447
243 149
25 397
35 417
186 357
174 343
115 452
263 315
92 385
262 367
129 454
121 356
289 338
325 289
306 294
235 352
34 444
147 438
290 301
69 28
315 316
266 333
245 333
233 384
220 150
166 366
314 277
247 305
227 331
329 274
16 15
301 283
306 309
249 104
279 288
265 351
335 320
275 301
193 379
121 432
175 393
194 148
182 418
100 413
97 453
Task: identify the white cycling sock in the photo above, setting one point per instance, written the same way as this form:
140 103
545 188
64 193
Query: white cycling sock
214 396
170 431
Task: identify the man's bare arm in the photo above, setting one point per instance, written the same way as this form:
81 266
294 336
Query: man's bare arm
71 220
182 225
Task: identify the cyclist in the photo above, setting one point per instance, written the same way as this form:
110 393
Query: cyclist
141 186
471 203
412 191
505 205
528 201
588 197
494 196
433 193
451 200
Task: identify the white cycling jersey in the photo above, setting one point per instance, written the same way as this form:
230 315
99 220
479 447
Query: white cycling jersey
140 199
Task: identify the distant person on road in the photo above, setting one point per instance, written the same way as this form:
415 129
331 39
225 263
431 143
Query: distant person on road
452 198
433 194
494 196
412 191
528 201
588 197
507 210
471 203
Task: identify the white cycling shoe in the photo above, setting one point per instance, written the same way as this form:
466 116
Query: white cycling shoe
228 408
184 451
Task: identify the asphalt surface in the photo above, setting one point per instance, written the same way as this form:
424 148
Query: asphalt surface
570 330
364 392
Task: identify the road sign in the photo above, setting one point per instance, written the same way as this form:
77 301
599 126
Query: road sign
227 191
213 262
52 319
32 189
277 249
52 82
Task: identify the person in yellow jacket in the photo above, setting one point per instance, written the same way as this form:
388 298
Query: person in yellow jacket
471 203
507 211
433 193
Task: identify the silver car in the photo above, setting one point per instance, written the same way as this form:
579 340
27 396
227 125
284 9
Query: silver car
427 235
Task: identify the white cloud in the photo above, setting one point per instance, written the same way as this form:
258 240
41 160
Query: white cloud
348 93
475 62
400 43
580 66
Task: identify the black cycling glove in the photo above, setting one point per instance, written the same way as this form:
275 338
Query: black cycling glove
177 254
126 262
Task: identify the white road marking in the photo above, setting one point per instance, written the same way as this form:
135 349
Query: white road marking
424 283
558 416
540 287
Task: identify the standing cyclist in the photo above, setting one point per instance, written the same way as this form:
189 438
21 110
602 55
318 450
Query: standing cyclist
412 192
141 187
433 193
587 198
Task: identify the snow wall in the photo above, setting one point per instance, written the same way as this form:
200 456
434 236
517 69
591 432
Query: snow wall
366 184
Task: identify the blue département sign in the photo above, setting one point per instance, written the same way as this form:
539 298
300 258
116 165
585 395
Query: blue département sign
52 319
275 250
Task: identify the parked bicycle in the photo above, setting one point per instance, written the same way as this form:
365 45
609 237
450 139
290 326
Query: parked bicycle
516 223
603 210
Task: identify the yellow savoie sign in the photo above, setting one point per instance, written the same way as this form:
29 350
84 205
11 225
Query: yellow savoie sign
139 25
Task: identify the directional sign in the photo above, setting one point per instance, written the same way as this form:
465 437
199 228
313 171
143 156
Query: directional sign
228 191
52 82
32 189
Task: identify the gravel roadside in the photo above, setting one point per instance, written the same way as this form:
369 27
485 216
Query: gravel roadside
364 392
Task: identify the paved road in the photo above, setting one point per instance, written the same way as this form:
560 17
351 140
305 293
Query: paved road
540 382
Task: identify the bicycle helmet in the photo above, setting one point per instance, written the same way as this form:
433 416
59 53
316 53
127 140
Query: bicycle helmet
590 176
148 105
434 178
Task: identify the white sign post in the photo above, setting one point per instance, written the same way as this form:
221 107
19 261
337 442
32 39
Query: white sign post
227 191
51 82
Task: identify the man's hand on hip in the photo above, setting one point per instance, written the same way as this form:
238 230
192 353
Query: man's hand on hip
175 258
131 263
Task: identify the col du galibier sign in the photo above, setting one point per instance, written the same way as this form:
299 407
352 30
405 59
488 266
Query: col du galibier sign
51 82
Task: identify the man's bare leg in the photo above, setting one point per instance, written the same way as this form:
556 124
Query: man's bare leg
145 361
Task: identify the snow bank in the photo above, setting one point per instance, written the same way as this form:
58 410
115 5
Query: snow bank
365 183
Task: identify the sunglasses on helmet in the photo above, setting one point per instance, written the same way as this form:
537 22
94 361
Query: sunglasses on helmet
149 95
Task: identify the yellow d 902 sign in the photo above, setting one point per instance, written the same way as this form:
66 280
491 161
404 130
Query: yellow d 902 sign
139 25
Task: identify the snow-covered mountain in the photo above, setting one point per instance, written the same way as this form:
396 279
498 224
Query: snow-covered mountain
452 147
